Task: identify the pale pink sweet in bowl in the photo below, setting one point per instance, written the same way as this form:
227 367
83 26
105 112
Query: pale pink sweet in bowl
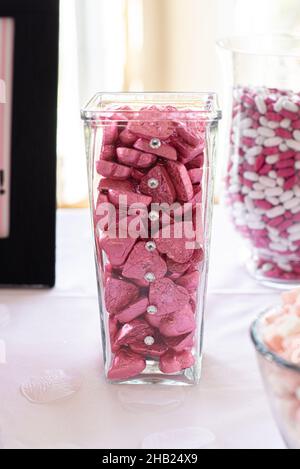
276 336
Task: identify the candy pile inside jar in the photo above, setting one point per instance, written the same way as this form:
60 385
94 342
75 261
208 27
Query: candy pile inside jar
150 282
263 181
281 334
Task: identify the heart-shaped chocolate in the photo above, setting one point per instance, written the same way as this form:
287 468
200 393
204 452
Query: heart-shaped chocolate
188 136
110 133
173 362
181 180
176 267
163 149
111 170
133 311
167 296
178 323
118 295
127 138
196 175
126 364
174 244
196 163
125 199
136 159
108 153
134 331
117 249
158 185
110 184
190 281
180 343
113 327
145 259
149 124
150 347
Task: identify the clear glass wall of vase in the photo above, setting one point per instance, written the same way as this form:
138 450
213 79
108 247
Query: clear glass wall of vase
151 164
262 103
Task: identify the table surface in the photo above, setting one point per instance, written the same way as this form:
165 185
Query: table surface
59 330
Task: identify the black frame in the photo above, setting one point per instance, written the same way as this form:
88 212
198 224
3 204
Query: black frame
27 257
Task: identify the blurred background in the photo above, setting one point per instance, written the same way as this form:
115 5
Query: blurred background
145 45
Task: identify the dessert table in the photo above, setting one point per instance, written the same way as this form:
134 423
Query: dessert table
59 330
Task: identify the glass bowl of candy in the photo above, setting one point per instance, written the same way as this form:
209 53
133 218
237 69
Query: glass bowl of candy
263 172
276 336
151 165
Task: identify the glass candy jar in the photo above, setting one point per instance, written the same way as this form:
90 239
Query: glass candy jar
150 162
263 178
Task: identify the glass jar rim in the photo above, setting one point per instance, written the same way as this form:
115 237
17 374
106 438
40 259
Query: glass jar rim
183 106
263 349
281 45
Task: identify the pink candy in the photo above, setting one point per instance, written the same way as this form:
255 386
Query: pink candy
150 281
263 182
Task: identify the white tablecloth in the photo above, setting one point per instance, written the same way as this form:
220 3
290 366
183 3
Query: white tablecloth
59 329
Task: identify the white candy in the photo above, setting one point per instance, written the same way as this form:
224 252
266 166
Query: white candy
285 123
266 132
256 226
292 203
275 192
258 187
297 165
296 135
245 123
280 182
273 125
246 190
249 203
294 228
275 212
250 176
267 182
290 106
297 191
286 196
261 105
256 195
251 133
263 121
293 145
273 159
295 210
273 142
273 174
278 105
295 237
273 200
267 267
285 267
234 189
283 147
259 140
255 151
277 247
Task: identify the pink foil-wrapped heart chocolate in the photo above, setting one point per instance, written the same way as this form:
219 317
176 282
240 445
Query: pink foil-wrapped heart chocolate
112 170
108 153
181 180
189 281
127 138
176 267
134 331
180 343
118 295
196 163
151 347
186 151
135 158
120 197
161 149
158 185
173 362
174 244
178 323
126 364
167 296
144 259
196 175
110 184
113 327
110 133
117 249
133 311
188 136
149 124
